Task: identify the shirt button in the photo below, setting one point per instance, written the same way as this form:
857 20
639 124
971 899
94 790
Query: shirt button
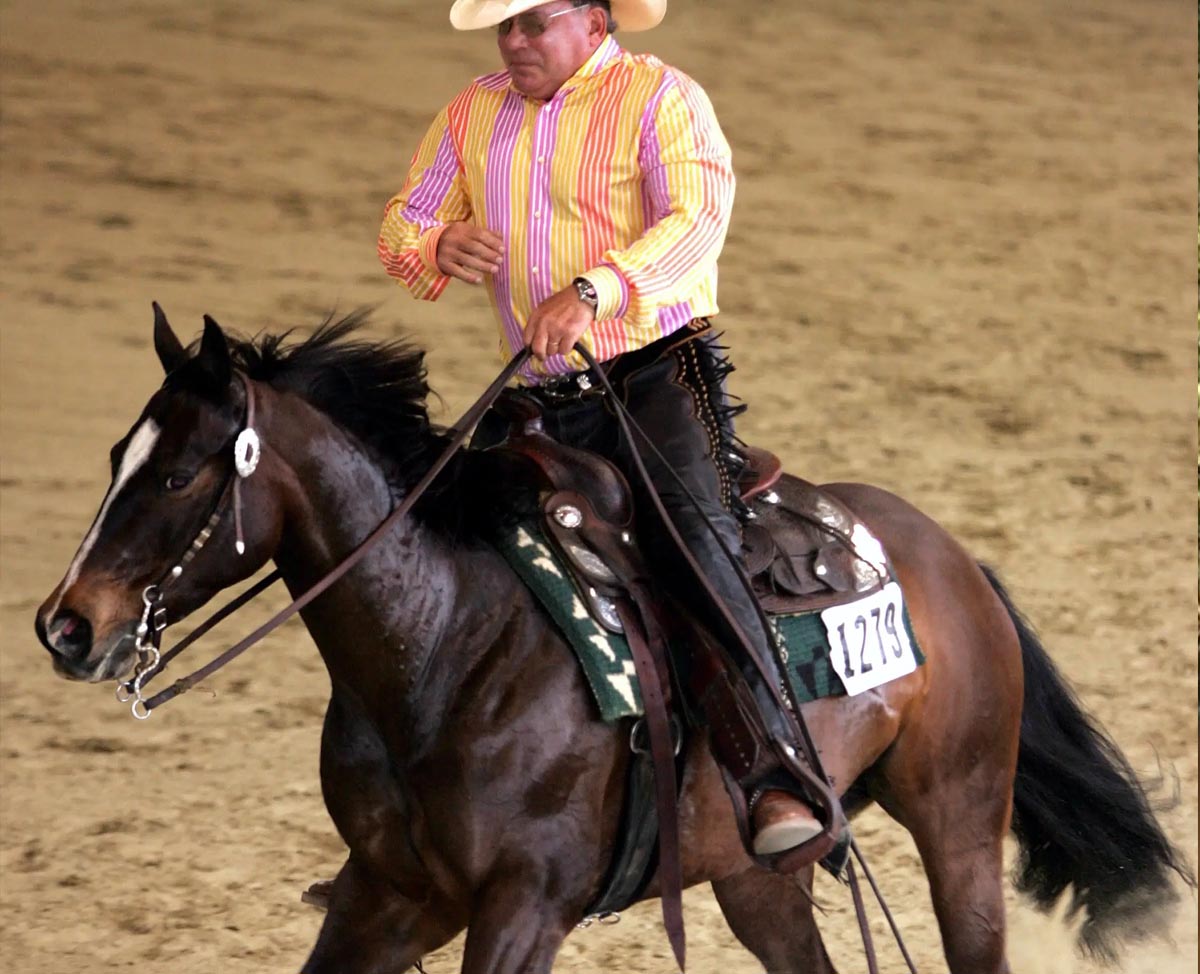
541 158
533 270
537 214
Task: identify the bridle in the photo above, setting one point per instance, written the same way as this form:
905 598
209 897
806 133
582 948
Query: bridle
247 449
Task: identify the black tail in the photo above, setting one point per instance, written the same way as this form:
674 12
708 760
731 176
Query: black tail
1080 813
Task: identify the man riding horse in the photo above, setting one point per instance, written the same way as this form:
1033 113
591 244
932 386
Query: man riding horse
589 191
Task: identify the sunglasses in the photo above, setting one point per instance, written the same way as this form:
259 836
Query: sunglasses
531 24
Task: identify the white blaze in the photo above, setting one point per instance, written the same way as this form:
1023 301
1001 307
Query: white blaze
141 444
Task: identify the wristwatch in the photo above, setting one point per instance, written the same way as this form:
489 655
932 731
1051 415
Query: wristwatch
587 292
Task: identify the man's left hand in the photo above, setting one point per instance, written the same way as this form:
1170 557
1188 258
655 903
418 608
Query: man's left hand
557 323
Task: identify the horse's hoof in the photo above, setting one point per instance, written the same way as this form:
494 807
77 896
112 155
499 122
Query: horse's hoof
782 822
318 894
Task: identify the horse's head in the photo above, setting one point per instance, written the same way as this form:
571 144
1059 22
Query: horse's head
168 518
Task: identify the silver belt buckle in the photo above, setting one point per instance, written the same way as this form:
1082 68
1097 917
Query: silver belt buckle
566 388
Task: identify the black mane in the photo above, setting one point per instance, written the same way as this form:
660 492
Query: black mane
378 391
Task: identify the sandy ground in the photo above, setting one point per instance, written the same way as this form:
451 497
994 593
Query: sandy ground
961 266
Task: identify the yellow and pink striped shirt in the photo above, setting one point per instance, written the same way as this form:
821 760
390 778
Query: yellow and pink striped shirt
623 177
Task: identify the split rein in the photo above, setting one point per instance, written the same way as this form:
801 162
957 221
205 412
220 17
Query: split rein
247 449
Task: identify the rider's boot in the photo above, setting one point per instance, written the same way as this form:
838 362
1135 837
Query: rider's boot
781 821
779 818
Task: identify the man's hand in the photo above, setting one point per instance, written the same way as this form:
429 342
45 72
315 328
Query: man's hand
468 252
556 323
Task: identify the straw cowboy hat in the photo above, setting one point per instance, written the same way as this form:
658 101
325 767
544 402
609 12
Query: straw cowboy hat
629 14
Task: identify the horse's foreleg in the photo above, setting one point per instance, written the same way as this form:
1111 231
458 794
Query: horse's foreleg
772 916
515 929
371 927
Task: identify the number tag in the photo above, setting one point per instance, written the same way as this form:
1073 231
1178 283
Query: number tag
868 644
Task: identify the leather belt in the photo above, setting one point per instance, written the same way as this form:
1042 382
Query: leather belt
560 390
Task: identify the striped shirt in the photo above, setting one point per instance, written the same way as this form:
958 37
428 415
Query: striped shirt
623 177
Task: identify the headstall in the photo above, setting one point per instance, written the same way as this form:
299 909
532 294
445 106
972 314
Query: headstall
247 451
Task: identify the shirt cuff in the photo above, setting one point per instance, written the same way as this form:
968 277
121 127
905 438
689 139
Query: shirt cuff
612 291
427 245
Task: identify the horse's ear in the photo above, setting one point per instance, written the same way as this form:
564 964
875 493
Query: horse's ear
170 350
213 356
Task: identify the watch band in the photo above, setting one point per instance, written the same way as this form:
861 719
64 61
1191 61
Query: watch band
587 292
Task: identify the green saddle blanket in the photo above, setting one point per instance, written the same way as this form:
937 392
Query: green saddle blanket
805 651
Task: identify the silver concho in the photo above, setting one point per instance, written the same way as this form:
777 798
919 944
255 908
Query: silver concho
568 516
246 451
590 563
608 613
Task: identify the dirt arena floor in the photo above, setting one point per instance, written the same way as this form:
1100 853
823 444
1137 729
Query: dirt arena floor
962 266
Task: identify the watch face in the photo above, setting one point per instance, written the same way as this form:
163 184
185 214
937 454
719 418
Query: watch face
586 291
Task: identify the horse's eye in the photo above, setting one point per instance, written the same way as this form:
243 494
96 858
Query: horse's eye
177 481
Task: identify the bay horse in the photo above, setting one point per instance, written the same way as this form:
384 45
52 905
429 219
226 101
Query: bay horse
462 757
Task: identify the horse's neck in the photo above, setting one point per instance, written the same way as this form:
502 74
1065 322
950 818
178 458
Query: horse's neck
378 627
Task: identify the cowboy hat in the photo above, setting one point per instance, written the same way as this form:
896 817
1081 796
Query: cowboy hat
629 14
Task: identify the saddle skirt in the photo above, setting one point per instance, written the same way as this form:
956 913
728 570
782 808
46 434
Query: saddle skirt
806 553
804 550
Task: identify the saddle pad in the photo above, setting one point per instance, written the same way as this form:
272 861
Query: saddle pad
605 657
806 655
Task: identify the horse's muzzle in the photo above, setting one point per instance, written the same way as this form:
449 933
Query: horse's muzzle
69 635
70 640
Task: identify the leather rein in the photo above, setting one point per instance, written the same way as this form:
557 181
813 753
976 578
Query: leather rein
247 448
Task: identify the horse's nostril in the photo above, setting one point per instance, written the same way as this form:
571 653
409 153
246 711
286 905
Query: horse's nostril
71 634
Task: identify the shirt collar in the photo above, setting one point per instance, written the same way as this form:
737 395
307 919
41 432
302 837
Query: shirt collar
605 53
608 51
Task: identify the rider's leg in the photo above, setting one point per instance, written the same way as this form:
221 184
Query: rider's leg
679 402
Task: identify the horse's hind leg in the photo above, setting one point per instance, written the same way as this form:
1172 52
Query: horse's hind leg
948 780
948 777
772 915
959 834
958 813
